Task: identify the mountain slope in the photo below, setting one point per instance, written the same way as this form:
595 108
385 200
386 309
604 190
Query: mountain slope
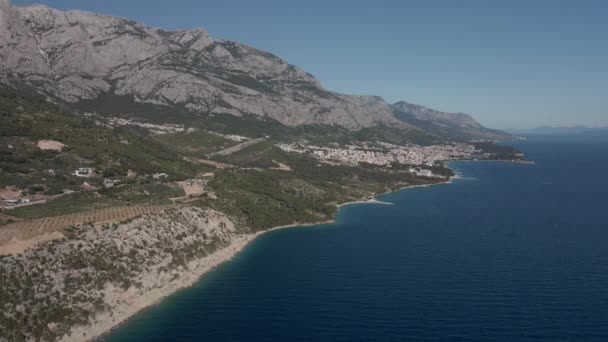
30 123
88 60
458 126
77 56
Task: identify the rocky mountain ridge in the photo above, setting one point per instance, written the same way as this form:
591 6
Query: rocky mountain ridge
456 125
77 56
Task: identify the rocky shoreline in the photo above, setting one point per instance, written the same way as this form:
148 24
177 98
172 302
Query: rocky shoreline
105 322
98 275
196 269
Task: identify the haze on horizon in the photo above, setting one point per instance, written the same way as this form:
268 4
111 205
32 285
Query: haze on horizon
513 64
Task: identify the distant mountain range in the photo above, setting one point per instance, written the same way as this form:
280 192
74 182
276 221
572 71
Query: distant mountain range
114 65
551 130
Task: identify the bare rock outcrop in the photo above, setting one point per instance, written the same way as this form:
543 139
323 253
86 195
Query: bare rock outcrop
75 56
78 57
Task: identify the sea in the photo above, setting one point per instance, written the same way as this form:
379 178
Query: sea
508 252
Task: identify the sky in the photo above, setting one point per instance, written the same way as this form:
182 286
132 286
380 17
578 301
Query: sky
510 64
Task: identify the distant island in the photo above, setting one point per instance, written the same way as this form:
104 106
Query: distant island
133 160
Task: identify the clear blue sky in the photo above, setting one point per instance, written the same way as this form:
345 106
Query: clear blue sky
515 63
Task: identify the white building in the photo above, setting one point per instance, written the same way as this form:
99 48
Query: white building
160 175
83 172
425 173
108 183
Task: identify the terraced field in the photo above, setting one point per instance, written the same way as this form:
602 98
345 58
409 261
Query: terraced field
23 234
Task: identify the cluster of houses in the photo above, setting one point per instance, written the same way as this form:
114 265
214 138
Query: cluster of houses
386 155
11 197
88 172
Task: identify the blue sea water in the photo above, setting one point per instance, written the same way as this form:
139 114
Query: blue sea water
512 252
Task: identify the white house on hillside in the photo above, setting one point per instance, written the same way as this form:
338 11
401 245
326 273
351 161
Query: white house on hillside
83 172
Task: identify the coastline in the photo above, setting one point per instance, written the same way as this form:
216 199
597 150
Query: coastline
447 181
108 321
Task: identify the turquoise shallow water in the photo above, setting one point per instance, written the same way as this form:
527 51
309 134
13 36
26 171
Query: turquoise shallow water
511 252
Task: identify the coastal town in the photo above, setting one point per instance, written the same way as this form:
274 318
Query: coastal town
385 154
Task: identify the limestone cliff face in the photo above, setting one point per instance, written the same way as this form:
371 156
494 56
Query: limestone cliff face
19 52
76 55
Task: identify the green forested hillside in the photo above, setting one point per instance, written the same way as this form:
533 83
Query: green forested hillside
110 151
254 189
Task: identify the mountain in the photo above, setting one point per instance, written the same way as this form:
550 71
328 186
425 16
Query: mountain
458 126
93 61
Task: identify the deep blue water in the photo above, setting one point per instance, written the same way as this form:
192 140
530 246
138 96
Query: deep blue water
512 253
